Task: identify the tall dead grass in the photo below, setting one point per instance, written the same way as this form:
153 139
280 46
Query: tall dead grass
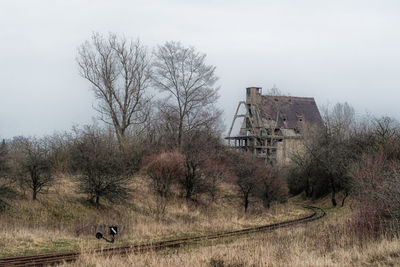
63 220
324 243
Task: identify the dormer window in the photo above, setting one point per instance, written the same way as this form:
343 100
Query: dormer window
299 117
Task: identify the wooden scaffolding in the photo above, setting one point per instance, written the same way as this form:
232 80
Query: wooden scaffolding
258 134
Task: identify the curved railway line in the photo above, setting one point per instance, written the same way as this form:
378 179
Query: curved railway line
57 258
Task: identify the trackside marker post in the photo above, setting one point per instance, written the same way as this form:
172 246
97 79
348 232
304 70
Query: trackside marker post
113 230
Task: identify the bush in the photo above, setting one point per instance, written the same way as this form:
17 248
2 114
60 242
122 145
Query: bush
6 192
34 166
377 192
201 150
164 170
272 188
102 171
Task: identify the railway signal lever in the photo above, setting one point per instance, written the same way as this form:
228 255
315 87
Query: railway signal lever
113 230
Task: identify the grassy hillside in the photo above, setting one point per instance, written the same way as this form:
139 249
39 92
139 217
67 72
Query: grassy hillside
63 220
327 242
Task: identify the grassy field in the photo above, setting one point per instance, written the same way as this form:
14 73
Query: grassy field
63 220
328 242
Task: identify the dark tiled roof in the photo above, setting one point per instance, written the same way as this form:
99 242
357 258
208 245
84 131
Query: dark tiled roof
294 111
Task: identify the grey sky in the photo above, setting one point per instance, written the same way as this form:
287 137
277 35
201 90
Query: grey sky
332 50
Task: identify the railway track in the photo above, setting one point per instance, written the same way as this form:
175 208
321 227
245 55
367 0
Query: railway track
56 258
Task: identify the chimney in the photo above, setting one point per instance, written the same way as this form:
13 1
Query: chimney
253 95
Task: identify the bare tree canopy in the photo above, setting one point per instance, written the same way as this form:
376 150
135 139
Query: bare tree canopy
100 166
34 164
182 73
340 119
6 190
119 71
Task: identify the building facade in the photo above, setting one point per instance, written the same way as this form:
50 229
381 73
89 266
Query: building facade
272 126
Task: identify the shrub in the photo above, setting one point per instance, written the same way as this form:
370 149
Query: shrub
248 169
377 191
272 188
34 167
102 171
164 170
6 190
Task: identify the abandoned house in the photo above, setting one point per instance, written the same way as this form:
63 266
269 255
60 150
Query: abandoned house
272 125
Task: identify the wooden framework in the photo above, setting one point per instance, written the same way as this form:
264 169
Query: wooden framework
255 135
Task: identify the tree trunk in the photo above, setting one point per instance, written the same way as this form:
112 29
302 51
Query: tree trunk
180 129
189 179
267 202
34 194
246 202
309 188
121 138
334 203
188 194
346 194
333 199
97 201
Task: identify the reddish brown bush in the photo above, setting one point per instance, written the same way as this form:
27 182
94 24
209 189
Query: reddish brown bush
246 168
255 179
215 169
272 188
377 192
164 170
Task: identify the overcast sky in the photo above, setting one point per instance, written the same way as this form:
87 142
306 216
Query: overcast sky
335 51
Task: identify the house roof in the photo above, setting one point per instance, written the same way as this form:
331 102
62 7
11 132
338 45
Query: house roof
292 111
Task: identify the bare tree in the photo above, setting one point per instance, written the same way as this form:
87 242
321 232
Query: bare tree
35 168
3 157
271 188
215 169
246 168
101 169
119 71
328 153
6 190
189 82
340 120
377 194
385 128
198 148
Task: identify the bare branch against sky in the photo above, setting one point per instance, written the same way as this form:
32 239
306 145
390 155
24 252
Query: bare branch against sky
333 50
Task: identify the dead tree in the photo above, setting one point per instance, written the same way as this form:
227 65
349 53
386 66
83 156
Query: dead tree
34 166
329 151
246 168
271 188
100 167
119 72
6 191
189 82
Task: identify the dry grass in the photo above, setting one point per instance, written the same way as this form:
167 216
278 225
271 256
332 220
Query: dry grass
324 243
63 220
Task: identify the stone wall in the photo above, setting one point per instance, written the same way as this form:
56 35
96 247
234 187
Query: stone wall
286 148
